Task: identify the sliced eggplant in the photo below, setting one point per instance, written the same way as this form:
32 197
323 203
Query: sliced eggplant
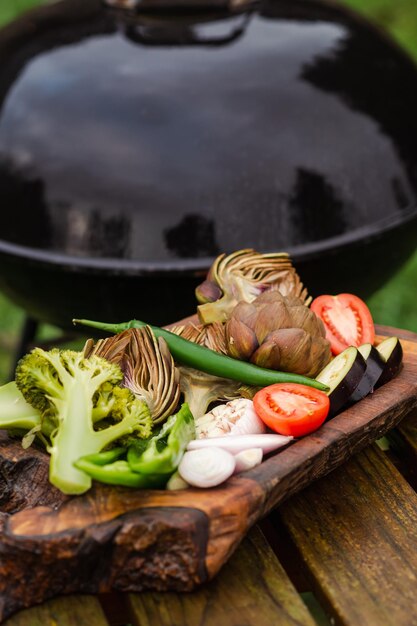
391 351
375 365
342 375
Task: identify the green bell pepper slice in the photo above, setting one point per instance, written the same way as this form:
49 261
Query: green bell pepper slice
119 473
165 450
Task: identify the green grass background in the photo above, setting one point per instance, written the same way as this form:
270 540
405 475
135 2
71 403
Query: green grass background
394 305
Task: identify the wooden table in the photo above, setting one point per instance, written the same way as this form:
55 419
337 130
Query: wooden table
343 551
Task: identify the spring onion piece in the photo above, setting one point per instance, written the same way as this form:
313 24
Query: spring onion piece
238 443
208 467
207 360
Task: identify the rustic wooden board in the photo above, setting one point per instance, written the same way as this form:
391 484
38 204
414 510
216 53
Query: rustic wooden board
120 539
252 589
356 531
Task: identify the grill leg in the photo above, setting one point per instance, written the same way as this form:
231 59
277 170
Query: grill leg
27 336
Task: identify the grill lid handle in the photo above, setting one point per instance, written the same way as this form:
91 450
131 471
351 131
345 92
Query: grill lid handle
155 5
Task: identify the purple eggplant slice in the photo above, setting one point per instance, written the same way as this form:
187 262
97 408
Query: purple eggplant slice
375 365
342 375
391 351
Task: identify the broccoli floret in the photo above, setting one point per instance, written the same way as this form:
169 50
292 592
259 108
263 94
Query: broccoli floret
73 393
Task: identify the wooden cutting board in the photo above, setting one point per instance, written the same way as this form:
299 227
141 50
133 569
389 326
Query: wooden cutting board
129 540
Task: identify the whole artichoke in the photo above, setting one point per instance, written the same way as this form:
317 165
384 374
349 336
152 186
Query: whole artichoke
278 332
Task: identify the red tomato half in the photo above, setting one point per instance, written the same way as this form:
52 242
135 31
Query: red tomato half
291 409
347 320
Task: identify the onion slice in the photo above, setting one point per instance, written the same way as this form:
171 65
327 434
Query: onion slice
238 443
207 467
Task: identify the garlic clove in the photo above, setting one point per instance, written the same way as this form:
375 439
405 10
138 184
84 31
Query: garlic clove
176 482
237 417
207 467
249 422
248 459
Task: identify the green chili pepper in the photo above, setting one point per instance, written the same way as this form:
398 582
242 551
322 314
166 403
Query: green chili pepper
209 361
165 450
119 473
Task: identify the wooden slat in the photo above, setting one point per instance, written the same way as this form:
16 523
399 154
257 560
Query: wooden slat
251 589
408 430
404 436
68 611
356 530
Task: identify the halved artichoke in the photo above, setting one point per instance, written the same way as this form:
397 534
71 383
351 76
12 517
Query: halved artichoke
149 369
241 277
201 390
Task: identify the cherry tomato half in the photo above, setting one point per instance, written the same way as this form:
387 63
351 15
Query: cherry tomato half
347 320
291 409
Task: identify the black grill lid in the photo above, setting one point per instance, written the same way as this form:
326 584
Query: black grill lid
136 145
152 137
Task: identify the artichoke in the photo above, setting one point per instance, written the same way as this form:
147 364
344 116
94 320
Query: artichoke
211 336
278 332
112 349
241 277
149 369
200 389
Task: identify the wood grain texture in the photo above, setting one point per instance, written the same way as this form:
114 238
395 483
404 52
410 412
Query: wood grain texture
251 590
70 611
147 548
24 477
356 531
408 430
121 539
390 331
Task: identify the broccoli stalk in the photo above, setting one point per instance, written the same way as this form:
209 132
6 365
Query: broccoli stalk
15 412
74 393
